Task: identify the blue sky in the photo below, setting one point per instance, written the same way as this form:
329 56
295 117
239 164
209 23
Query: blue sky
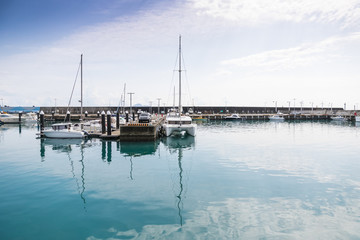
236 52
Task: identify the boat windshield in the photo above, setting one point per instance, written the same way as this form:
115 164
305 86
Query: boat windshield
60 127
178 122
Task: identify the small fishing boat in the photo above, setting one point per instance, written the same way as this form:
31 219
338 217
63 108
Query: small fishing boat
199 118
64 130
233 117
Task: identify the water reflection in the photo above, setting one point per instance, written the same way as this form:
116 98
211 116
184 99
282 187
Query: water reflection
178 145
66 146
137 149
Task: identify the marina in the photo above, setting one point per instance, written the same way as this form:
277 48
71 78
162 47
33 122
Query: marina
186 119
127 127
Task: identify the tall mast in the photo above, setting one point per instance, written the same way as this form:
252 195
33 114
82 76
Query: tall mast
180 109
81 74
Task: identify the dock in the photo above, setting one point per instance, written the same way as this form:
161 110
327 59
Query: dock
132 130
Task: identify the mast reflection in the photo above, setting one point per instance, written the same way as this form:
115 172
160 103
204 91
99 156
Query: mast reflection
137 149
178 145
66 146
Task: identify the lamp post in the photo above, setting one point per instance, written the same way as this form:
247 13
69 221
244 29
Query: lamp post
131 93
158 105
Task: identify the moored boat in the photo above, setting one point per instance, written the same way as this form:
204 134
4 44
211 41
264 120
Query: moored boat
9 118
276 117
64 130
233 117
338 118
176 122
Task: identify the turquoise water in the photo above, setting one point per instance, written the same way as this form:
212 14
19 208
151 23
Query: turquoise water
234 180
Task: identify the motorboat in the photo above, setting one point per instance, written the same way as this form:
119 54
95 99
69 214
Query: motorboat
338 118
233 117
9 118
276 117
29 118
92 126
175 123
64 130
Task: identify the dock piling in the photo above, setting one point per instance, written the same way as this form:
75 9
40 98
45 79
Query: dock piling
102 122
117 120
68 116
108 115
41 121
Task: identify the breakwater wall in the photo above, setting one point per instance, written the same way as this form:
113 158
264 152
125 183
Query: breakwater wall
195 109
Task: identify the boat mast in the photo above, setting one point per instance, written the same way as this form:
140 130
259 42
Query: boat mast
180 108
81 74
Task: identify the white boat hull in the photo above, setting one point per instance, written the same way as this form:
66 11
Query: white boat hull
172 129
357 118
279 119
338 118
7 118
63 134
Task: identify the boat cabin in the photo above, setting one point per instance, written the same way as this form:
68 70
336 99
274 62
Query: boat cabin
61 126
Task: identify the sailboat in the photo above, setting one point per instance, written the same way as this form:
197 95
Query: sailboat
67 129
175 122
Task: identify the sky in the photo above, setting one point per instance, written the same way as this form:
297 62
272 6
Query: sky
235 52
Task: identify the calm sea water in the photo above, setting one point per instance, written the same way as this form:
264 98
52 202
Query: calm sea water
234 180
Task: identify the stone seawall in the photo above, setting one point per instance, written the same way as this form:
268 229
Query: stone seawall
196 109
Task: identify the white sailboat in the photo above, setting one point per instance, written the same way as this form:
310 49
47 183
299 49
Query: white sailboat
67 130
175 122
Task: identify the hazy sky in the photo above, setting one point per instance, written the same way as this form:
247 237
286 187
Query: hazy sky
236 52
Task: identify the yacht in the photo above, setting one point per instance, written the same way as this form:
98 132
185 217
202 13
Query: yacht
176 122
64 130
276 117
8 118
233 117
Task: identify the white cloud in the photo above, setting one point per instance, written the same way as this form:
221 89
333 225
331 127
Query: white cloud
261 11
252 218
304 55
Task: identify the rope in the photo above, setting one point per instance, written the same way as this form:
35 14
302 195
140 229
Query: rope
72 90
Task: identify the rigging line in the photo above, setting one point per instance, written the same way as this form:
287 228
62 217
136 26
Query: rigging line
73 89
187 82
173 76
